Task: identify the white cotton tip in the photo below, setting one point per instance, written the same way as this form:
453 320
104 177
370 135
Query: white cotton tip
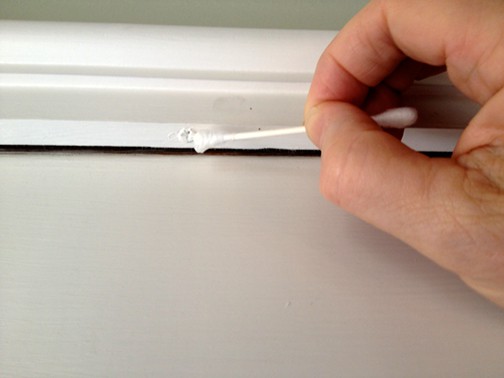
202 140
398 118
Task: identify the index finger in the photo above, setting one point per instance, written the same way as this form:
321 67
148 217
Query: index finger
375 43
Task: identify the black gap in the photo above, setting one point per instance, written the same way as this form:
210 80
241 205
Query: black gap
176 151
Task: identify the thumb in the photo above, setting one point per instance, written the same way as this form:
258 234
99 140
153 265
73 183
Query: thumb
374 176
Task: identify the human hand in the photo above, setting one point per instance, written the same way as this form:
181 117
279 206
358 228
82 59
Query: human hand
451 210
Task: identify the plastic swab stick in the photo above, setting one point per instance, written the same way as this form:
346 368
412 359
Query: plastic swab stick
203 140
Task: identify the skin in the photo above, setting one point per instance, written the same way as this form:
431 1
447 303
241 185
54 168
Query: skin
450 210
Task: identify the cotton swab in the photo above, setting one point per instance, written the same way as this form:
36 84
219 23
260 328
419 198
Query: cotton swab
203 140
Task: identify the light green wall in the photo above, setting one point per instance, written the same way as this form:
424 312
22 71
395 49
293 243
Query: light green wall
301 14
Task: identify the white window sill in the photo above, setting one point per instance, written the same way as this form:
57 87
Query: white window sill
71 84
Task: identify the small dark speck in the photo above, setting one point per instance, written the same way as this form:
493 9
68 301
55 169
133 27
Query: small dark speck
259 129
250 108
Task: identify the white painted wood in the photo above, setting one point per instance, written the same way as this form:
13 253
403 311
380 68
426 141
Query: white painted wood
115 77
211 266
161 51
128 134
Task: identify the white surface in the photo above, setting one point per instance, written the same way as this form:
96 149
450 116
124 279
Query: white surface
140 73
160 51
160 135
211 266
120 77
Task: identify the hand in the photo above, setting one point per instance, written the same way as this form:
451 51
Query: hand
451 210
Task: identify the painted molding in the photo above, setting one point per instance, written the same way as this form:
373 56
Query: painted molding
78 84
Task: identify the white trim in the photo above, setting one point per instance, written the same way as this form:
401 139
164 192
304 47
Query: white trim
161 51
131 85
30 132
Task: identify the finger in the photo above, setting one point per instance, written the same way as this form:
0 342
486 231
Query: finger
455 33
408 72
360 163
362 55
387 94
485 129
380 99
376 177
431 204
